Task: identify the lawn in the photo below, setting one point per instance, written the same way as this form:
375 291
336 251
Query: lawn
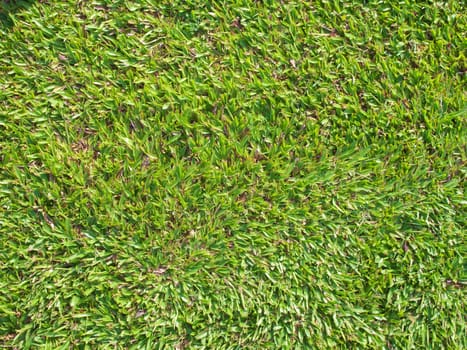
233 174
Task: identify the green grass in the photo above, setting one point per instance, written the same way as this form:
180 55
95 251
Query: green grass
233 175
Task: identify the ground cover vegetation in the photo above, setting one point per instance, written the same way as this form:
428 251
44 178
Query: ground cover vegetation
232 174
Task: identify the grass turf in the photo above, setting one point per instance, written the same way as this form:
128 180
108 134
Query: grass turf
232 175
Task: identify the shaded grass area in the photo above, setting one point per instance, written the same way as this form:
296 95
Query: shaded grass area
233 175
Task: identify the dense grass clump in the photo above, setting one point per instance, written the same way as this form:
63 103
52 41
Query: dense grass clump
233 175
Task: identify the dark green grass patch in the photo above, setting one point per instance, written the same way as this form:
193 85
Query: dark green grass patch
233 175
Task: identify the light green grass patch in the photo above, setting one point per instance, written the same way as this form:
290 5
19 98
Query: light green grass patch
232 175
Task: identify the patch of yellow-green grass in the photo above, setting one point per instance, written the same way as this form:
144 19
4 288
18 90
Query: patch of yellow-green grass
232 175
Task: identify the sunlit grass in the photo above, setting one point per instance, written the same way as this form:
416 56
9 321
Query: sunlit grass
232 175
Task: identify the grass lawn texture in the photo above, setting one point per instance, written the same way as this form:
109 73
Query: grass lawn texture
233 174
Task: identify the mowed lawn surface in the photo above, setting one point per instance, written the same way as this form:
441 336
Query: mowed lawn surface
233 174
